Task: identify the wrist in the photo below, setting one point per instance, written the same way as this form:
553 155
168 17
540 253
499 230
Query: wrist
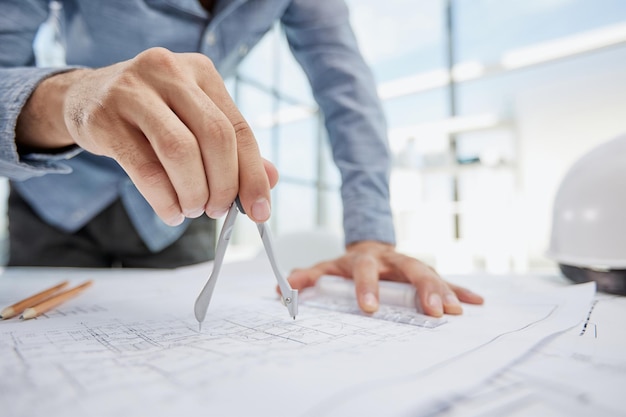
41 125
369 246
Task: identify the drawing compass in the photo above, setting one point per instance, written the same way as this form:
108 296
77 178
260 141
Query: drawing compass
289 296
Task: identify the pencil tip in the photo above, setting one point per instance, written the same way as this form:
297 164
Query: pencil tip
199 326
7 313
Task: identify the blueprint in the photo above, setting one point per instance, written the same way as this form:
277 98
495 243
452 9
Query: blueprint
130 346
578 373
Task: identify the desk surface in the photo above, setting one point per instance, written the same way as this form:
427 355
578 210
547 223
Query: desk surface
130 346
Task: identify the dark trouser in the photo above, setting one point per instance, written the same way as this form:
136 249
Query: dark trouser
109 240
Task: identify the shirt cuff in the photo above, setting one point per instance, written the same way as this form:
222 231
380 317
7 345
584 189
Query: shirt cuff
16 87
368 220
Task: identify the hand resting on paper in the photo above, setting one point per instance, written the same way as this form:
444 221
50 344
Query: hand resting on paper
368 261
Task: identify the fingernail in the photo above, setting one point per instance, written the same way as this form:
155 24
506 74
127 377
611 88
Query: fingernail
176 220
434 301
216 214
261 210
194 213
370 302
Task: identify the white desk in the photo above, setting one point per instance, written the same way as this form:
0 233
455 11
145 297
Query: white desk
130 346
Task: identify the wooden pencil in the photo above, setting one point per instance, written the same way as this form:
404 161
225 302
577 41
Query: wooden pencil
20 306
54 301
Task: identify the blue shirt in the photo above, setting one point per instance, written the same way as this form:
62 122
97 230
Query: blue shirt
69 189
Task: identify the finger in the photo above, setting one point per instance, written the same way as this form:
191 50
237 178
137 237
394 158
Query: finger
136 156
177 85
307 277
217 146
254 185
365 275
303 278
271 171
179 153
466 295
300 279
430 298
451 304
426 281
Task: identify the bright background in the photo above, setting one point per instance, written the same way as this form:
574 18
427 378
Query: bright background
488 103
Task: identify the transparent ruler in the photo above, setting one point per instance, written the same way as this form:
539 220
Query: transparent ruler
398 302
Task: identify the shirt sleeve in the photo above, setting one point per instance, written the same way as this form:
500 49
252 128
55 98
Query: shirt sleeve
19 22
322 41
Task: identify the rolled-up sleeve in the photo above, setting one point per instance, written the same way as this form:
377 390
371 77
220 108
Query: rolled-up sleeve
16 86
321 38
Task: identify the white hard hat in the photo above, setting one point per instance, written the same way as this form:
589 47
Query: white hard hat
588 237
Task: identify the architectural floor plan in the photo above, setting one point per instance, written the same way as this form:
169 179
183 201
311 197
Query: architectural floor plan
131 346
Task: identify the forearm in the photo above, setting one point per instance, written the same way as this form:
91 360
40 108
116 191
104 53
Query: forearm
321 38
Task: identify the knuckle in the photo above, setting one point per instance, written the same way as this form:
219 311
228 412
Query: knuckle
158 60
176 146
243 132
222 195
407 264
158 56
412 267
205 63
193 193
366 260
219 129
151 173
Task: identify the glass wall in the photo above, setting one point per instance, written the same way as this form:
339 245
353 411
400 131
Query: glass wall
488 103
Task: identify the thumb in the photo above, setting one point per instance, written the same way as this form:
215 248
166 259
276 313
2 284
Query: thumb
301 278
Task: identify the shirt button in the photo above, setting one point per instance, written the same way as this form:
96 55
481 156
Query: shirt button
78 215
210 38
243 50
